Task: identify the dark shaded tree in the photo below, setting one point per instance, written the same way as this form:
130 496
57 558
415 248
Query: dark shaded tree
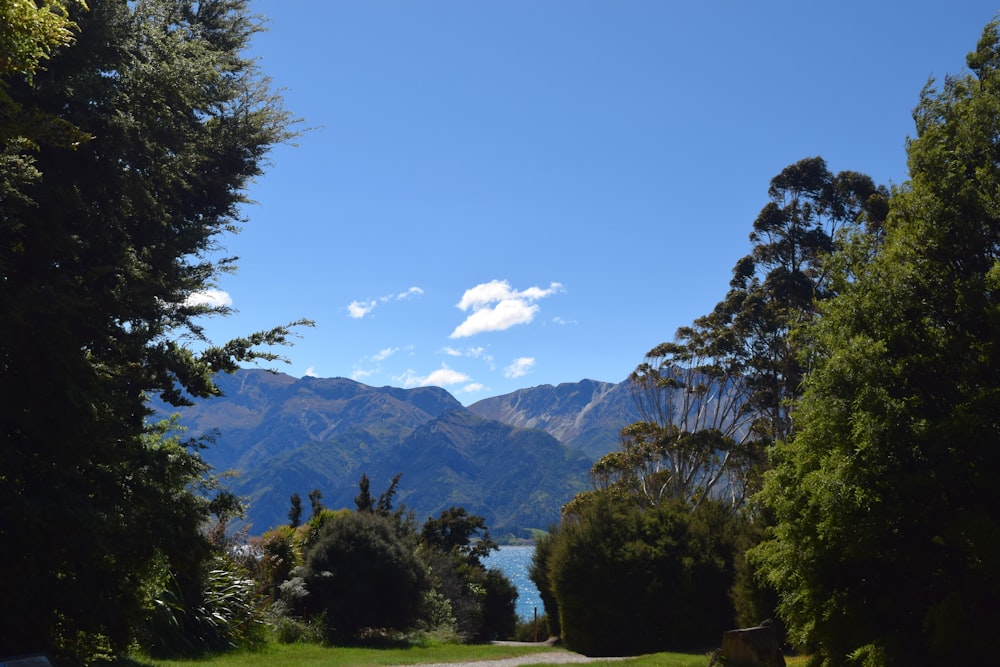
103 253
364 502
483 601
886 547
316 502
457 532
295 511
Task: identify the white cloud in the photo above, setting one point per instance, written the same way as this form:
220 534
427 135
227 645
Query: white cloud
359 374
358 309
442 377
496 306
210 297
311 372
382 355
521 366
472 388
472 352
413 291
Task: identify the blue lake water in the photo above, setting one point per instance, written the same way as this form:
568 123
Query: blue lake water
514 562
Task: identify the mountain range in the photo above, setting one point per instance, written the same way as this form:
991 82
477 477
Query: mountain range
513 459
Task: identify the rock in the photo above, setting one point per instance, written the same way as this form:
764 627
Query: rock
751 647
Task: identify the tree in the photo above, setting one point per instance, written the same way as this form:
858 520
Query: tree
453 532
102 257
715 398
316 502
295 511
482 600
32 33
366 502
886 548
691 444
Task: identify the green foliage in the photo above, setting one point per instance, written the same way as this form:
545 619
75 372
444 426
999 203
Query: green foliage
102 247
887 541
538 572
630 581
735 370
483 601
499 606
534 630
218 611
316 501
453 532
32 31
362 573
275 554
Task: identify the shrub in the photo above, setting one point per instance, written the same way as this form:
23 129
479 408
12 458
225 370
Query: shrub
539 575
534 630
361 573
630 581
499 606
217 612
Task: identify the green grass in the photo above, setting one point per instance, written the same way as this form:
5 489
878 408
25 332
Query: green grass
314 655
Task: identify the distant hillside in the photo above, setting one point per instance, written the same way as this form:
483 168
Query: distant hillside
284 435
586 415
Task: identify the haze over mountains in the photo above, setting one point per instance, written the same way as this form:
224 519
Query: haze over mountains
513 459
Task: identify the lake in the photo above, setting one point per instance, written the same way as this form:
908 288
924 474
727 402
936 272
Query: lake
515 562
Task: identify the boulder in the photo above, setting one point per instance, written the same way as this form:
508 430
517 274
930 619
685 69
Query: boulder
751 647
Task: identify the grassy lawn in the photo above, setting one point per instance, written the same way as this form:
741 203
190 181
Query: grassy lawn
314 655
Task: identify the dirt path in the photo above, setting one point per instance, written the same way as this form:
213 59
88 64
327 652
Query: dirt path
552 658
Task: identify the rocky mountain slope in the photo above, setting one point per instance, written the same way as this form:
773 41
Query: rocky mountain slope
586 415
282 435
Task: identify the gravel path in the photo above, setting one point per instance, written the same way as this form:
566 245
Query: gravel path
551 658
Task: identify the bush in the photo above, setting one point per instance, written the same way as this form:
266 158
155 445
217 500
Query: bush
499 606
630 581
361 573
533 631
288 630
218 612
539 575
275 556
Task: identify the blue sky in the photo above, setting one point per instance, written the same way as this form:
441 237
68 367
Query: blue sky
497 195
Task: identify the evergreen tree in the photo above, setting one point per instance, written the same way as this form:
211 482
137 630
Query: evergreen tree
295 511
887 542
103 253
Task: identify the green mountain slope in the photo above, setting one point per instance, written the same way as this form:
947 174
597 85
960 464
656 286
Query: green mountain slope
282 435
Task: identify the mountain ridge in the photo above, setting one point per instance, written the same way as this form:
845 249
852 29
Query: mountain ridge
282 435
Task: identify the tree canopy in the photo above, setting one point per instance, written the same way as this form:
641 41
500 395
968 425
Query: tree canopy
104 249
887 543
